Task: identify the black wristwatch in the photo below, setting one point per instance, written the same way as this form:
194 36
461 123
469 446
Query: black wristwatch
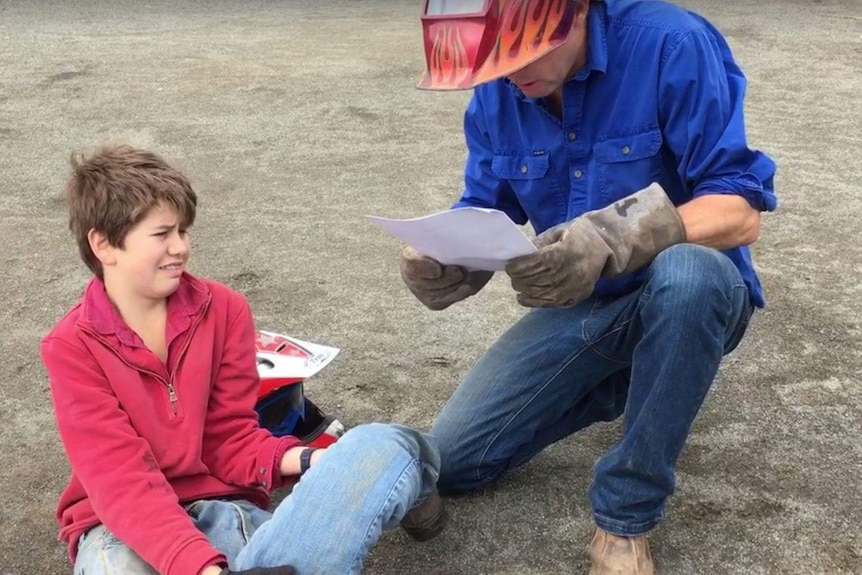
305 459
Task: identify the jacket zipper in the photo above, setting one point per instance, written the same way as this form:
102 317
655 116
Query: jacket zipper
168 383
172 395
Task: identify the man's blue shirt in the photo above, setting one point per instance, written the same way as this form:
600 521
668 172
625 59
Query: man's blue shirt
660 100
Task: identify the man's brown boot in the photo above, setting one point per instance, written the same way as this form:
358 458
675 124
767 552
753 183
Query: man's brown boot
614 555
426 520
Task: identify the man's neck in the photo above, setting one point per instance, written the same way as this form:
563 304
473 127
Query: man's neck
555 100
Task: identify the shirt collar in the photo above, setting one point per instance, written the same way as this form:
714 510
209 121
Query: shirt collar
99 313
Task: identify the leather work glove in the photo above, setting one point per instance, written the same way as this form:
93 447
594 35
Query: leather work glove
612 241
438 286
284 570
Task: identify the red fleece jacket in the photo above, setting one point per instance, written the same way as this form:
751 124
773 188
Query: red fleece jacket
143 436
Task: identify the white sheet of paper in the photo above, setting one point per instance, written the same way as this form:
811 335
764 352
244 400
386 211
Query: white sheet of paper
476 238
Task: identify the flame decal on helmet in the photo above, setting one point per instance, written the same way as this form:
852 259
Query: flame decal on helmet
529 29
464 51
449 64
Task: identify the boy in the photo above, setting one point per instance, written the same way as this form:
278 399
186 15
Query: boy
153 379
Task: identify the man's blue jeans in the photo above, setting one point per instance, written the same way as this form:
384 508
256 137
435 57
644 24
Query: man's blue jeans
363 485
649 356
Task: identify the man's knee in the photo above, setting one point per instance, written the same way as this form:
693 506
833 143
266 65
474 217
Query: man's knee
465 466
692 273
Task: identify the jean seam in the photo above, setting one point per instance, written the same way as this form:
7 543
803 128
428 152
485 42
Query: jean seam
590 344
86 540
378 518
568 362
104 559
243 531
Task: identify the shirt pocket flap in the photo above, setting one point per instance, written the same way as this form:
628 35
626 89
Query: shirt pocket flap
520 167
629 148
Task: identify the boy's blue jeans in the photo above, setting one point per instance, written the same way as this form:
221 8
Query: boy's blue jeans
649 356
364 484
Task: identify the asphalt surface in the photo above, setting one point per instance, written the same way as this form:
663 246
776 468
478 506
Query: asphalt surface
296 119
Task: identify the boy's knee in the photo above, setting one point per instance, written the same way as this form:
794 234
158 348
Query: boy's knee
394 439
100 553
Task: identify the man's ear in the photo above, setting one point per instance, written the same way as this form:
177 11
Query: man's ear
102 248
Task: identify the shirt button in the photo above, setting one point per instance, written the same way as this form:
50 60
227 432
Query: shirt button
524 169
572 136
578 174
263 470
626 150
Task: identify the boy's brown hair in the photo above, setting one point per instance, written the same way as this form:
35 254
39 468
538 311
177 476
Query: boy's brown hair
115 188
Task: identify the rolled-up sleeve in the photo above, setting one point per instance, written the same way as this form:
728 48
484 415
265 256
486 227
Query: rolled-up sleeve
702 113
482 188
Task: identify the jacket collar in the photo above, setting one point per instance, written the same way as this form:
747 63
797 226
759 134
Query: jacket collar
100 315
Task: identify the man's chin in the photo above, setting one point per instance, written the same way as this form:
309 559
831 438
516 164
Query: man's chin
535 89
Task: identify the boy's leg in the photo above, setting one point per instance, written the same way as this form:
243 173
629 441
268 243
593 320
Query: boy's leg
228 525
362 485
100 553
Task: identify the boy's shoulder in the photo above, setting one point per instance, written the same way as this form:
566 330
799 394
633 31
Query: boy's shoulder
65 328
222 294
225 303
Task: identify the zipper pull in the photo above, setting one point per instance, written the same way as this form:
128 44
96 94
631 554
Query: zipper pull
172 394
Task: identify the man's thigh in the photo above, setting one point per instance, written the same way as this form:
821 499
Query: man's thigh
541 374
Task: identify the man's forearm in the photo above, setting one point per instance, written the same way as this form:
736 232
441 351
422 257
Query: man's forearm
720 221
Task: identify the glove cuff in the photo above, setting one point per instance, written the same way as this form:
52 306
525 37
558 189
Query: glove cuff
637 228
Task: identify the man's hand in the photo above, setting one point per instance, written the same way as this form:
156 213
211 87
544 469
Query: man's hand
438 286
565 270
618 239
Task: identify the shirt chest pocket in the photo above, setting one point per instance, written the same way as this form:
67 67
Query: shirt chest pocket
527 174
627 164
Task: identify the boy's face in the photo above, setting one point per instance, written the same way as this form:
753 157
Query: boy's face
153 258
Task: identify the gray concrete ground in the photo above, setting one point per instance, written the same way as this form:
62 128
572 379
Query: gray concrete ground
298 118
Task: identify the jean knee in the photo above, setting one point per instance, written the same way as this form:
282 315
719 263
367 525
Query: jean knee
692 273
101 553
397 440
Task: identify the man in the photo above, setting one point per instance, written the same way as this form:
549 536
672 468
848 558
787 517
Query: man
616 129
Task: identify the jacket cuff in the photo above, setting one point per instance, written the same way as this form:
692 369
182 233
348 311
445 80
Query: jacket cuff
272 476
196 556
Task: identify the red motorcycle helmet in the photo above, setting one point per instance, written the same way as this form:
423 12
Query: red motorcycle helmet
471 42
282 406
